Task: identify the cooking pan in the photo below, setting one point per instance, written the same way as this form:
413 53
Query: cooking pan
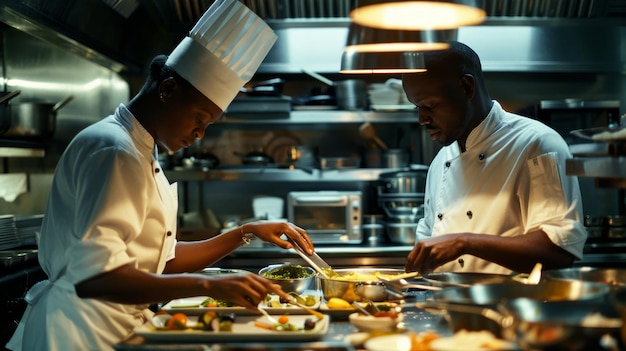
349 287
489 295
448 279
34 120
255 158
544 325
5 112
611 276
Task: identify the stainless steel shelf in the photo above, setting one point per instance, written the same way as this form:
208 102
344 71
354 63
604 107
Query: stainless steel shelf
326 117
609 171
279 175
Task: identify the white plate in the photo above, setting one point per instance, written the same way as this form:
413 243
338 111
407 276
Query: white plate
396 342
456 343
243 330
191 306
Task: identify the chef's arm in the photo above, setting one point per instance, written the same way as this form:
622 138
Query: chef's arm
129 285
195 255
519 253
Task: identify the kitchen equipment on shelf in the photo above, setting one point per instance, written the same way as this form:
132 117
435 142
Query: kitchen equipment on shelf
367 132
259 107
374 230
329 217
395 158
350 94
270 87
34 120
268 207
5 115
255 158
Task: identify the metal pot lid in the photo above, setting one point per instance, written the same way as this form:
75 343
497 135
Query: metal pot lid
407 172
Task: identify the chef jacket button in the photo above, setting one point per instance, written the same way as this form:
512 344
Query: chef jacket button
461 262
157 170
440 216
169 233
469 214
448 164
481 156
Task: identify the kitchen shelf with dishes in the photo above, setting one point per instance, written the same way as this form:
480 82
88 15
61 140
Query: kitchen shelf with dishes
22 148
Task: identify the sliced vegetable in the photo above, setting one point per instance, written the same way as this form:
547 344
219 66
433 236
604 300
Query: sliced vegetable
178 321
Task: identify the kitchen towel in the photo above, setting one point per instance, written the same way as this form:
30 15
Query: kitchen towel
12 185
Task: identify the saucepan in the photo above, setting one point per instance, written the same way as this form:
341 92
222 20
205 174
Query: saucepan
546 325
5 112
34 120
489 295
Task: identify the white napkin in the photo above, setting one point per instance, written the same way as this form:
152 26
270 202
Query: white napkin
12 185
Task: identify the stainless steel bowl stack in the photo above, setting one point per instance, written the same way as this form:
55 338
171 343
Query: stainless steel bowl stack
401 196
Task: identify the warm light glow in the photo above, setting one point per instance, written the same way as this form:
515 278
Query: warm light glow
353 62
417 15
397 47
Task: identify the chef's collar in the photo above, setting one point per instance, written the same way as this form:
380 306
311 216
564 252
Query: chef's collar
486 127
145 141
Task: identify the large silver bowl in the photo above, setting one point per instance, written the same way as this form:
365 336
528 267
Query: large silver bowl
447 279
349 287
293 284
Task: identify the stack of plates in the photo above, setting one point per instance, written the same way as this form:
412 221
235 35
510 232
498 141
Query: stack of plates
388 96
8 232
28 229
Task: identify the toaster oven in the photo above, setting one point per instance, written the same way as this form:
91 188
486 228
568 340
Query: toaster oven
329 217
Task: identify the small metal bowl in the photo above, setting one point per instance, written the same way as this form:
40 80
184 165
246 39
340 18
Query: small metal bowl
297 285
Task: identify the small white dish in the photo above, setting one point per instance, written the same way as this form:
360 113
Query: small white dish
371 323
395 342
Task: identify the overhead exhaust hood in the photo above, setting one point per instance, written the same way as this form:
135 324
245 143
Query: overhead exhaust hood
124 35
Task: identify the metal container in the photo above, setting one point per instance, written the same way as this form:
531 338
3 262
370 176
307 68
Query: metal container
5 110
401 233
348 287
490 295
351 94
395 158
34 120
297 285
449 279
609 276
403 182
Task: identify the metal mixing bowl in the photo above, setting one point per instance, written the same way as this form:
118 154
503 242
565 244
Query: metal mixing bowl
297 285
610 276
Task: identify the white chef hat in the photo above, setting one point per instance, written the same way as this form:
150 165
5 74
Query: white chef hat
223 51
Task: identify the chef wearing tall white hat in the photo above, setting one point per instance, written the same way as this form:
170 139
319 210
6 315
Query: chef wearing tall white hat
108 240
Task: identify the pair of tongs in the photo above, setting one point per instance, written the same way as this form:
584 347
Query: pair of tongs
314 261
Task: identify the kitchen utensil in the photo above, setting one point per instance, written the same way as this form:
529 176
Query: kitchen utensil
367 132
34 120
545 325
395 158
401 285
361 308
401 233
268 316
320 266
315 313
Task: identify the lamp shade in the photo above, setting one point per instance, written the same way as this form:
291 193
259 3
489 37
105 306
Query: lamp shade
418 15
368 39
354 62
381 51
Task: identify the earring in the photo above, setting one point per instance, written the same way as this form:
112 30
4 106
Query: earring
162 97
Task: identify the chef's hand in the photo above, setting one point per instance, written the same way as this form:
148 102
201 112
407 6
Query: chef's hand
272 232
431 253
242 289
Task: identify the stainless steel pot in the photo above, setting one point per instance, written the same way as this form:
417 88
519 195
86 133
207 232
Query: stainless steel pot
5 110
353 289
34 120
409 181
611 276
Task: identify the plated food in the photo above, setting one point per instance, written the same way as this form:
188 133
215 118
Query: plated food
243 328
200 304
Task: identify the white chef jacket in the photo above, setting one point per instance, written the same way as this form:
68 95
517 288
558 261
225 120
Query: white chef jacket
110 205
510 181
